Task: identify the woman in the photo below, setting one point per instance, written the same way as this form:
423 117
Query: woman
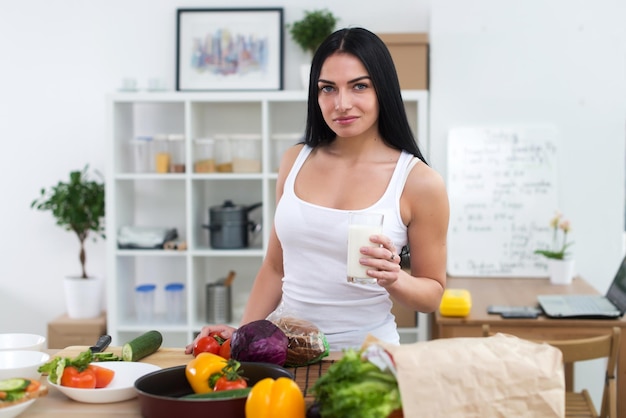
359 154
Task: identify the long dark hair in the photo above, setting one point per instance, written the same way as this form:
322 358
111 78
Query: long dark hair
373 53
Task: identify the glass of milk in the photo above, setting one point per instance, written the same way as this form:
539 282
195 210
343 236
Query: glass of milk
361 226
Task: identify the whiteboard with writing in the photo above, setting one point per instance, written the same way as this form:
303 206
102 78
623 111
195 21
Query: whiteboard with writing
503 193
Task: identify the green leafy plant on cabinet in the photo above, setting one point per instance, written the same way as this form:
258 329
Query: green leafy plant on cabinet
77 206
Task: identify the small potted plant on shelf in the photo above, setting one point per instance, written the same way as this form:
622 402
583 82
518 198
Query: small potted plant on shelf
560 264
309 32
314 27
78 206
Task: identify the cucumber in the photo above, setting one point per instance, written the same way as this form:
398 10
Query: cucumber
221 394
12 385
142 346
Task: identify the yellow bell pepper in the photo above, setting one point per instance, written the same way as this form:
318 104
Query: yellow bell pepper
203 371
271 398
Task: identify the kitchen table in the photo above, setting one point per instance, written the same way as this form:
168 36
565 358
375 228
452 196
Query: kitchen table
56 405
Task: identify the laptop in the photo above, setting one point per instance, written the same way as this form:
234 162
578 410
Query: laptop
610 306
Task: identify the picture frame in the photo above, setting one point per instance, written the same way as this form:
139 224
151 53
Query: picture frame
229 49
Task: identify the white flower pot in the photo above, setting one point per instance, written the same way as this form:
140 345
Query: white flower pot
561 271
83 297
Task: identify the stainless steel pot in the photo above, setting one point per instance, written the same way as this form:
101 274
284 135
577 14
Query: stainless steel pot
229 225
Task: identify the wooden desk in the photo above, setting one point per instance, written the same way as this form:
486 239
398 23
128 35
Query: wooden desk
520 292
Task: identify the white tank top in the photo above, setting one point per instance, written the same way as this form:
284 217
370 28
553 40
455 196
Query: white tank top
314 242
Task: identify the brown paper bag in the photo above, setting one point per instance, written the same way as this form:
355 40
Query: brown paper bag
499 376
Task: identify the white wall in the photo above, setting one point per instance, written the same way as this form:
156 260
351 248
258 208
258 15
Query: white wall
58 61
560 62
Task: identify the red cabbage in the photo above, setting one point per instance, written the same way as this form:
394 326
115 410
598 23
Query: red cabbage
259 341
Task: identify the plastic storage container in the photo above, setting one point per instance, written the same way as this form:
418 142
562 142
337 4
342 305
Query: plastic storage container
174 302
144 302
246 152
142 154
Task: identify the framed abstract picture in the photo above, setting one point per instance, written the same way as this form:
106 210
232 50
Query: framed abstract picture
229 49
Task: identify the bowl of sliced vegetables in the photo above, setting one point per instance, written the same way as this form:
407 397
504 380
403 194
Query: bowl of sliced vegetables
167 393
95 377
117 386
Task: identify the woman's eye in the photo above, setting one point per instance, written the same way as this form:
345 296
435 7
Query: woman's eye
326 89
360 86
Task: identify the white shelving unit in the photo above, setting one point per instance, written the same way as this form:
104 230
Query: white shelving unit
182 200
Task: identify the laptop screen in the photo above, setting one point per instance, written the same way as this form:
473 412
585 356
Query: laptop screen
617 291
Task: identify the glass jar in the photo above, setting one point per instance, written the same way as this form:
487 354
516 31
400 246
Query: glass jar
162 156
246 151
177 152
223 156
204 155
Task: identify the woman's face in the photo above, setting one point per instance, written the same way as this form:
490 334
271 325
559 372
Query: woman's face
346 96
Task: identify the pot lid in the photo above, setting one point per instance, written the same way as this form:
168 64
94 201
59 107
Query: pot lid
228 205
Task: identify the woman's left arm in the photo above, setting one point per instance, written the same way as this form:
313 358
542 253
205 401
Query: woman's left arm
425 210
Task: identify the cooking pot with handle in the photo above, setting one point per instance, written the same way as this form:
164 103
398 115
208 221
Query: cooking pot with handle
229 225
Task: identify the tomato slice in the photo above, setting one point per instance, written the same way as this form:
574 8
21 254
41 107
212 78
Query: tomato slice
33 386
104 376
74 379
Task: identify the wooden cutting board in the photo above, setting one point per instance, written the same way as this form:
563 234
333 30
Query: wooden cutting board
164 357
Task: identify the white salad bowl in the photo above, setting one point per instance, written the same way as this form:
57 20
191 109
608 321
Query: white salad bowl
121 388
21 341
15 410
19 363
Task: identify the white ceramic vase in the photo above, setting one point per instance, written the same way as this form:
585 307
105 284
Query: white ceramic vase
83 297
561 271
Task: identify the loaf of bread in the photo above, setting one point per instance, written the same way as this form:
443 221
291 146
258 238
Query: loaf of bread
307 344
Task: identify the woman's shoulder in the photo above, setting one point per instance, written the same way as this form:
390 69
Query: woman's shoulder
424 179
424 195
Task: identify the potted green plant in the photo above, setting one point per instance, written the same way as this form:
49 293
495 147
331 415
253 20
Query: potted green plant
310 31
78 206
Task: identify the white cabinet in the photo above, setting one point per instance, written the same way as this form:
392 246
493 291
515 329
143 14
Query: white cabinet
182 200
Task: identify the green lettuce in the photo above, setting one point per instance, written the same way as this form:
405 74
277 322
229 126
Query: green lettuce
55 367
356 387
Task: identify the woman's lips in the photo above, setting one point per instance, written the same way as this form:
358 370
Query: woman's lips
344 120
